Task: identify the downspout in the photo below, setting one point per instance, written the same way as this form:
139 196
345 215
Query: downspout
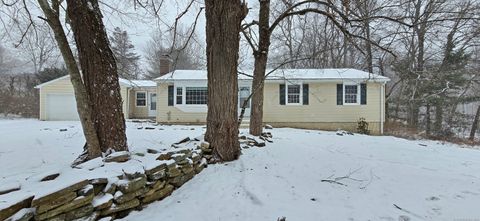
382 106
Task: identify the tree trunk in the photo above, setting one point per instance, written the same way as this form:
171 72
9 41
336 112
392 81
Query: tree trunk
223 18
261 57
99 73
438 118
81 96
475 124
428 120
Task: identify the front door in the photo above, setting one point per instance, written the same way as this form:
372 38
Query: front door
152 104
243 94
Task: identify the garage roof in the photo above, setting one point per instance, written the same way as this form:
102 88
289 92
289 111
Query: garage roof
123 82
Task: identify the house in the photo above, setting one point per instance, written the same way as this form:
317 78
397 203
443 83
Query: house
326 99
57 101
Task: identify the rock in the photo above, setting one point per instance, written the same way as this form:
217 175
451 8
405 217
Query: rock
152 151
157 175
87 190
102 201
79 213
196 158
56 202
63 130
180 180
188 168
160 194
120 207
59 193
119 157
165 156
155 187
131 186
120 198
186 139
9 188
25 214
92 217
158 166
260 144
50 177
173 172
149 128
110 188
204 145
268 126
14 208
199 168
60 217
140 154
76 203
133 172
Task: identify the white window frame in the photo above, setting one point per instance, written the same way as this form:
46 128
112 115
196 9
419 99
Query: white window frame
184 96
358 93
136 98
300 101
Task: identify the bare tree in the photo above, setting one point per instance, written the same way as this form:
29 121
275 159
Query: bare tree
99 73
223 35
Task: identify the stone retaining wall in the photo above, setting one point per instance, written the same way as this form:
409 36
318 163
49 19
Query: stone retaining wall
93 199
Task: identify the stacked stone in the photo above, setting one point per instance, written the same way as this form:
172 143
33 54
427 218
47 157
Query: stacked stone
99 198
70 203
206 152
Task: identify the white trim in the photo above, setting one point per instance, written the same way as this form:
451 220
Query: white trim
192 108
382 107
152 113
136 98
358 93
300 99
121 81
51 81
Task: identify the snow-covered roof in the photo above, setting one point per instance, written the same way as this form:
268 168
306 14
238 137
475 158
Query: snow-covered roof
123 82
139 83
281 74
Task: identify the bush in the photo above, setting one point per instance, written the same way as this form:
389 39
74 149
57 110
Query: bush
362 126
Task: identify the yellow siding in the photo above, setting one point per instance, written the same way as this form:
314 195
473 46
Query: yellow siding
321 113
322 106
171 114
64 86
139 112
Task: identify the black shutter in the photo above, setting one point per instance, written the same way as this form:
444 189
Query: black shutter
363 93
282 94
339 94
170 95
305 94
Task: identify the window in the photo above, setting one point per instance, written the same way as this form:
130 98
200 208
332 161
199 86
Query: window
293 94
351 94
179 95
196 95
141 99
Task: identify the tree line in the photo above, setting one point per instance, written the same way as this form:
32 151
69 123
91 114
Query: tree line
429 48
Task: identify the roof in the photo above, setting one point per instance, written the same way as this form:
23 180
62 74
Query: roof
123 82
282 74
139 83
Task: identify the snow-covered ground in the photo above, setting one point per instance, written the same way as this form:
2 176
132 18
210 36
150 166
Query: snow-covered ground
303 175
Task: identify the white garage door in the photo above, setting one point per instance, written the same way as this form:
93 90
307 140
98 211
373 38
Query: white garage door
61 107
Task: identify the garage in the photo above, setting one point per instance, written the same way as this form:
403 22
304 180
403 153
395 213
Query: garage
61 107
57 100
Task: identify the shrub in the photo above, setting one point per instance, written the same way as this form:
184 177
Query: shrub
362 126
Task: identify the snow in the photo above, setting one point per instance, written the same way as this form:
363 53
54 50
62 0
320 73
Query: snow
138 83
433 182
303 175
281 74
101 199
